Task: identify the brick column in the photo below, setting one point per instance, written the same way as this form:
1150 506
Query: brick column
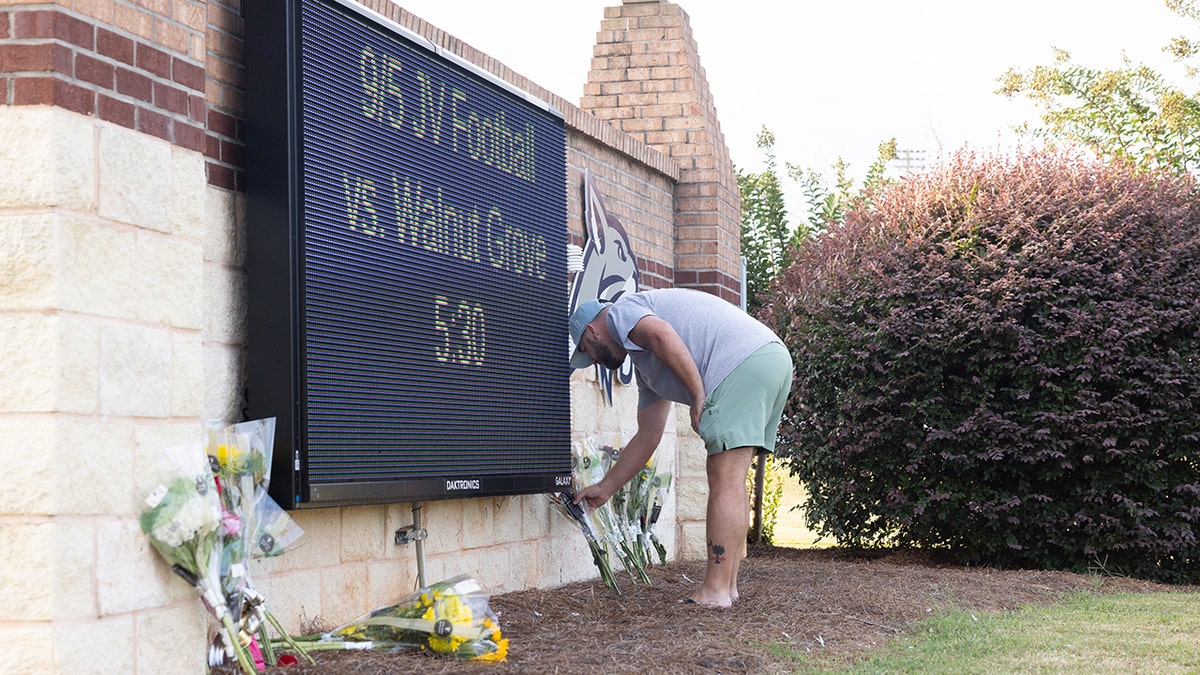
647 81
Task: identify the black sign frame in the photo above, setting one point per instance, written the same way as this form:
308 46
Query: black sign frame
406 265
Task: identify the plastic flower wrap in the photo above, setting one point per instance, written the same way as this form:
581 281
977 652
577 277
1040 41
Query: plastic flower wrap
253 526
450 618
275 532
183 520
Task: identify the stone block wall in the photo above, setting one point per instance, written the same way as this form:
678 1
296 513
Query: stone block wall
123 324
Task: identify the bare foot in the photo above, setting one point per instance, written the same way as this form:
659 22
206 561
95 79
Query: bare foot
707 601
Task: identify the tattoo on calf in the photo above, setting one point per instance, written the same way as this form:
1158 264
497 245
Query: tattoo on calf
718 552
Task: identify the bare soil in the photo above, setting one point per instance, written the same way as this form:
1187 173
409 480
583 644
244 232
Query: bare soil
831 606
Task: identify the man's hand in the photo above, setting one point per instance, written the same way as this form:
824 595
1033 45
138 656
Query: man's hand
594 496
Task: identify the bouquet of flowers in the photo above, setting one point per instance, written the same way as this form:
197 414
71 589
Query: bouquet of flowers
623 526
183 521
448 618
253 526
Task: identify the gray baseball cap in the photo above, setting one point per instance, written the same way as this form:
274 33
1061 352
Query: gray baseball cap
580 318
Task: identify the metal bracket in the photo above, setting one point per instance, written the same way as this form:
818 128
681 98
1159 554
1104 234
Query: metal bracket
410 534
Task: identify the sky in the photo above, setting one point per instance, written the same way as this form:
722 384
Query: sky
834 78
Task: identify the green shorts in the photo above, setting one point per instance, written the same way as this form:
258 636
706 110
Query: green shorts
745 409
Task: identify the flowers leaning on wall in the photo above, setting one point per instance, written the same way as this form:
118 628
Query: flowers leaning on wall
208 518
624 526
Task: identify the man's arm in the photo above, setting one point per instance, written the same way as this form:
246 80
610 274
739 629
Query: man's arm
659 338
651 421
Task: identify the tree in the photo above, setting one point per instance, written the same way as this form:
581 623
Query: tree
768 238
1131 113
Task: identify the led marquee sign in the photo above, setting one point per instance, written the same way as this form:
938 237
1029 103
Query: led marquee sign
406 263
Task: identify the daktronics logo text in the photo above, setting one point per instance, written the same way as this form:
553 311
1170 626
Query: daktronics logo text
462 484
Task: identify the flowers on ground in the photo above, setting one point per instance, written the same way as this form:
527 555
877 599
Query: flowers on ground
449 618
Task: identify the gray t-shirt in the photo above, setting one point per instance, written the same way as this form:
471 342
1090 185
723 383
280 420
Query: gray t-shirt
719 336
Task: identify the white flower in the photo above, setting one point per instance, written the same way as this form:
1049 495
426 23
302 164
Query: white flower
195 516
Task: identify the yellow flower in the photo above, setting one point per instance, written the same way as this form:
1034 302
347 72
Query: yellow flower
227 454
454 612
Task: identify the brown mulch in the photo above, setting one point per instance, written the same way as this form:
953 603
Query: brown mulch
833 605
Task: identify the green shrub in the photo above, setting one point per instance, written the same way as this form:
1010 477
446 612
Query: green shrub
1002 360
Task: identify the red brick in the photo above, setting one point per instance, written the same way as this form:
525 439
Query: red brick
188 74
34 24
221 176
197 109
155 61
154 123
219 122
45 23
114 46
76 31
137 85
232 153
189 136
116 111
212 147
95 71
37 57
170 98
74 97
33 91
4 16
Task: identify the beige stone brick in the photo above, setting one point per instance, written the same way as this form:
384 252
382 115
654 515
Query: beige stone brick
344 592
134 178
444 522
169 276
479 523
28 261
692 547
187 378
692 499
28 384
222 384
364 533
536 511
507 519
154 447
224 305
28 649
389 581
321 545
27 570
524 570
295 599
189 193
97 459
56 151
224 232
494 569
107 645
568 559
97 263
77 373
161 634
130 574
135 370
32 464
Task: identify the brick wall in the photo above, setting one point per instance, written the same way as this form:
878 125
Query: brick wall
122 326
646 80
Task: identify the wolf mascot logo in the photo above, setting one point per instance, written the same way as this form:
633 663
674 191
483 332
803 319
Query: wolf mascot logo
610 269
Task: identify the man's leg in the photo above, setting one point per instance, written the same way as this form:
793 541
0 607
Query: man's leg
728 518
